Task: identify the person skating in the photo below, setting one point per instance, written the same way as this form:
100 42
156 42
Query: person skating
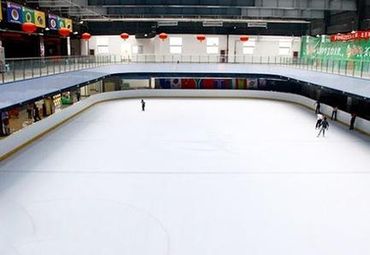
317 110
324 125
334 113
142 105
352 122
320 117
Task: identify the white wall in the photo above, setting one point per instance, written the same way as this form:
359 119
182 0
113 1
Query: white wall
265 46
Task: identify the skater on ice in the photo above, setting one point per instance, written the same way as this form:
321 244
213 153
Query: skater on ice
334 113
320 117
352 121
142 105
324 125
317 110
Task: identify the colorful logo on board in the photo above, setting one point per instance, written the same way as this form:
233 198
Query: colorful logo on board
40 19
14 13
53 22
60 22
28 15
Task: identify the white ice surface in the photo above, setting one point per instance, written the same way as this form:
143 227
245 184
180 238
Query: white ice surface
188 177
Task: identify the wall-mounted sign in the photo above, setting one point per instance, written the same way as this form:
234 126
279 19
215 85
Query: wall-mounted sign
40 19
28 15
14 13
53 22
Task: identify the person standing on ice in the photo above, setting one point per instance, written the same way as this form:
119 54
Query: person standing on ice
317 110
334 113
320 117
352 122
142 105
324 125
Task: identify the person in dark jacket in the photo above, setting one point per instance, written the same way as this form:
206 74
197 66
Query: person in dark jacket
320 117
317 110
324 125
334 113
36 113
352 122
142 105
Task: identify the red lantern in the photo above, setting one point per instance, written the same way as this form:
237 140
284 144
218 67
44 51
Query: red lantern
64 32
201 38
163 36
244 38
29 27
124 36
85 36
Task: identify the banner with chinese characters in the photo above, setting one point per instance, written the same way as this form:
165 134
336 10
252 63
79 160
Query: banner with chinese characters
14 13
324 48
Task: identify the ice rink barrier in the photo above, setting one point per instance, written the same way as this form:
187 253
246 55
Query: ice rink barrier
25 136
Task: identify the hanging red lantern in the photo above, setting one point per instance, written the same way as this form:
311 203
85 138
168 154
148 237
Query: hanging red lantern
163 36
29 27
201 38
244 38
64 32
124 36
85 36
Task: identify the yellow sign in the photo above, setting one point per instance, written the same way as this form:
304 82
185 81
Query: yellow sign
40 19
1 13
68 24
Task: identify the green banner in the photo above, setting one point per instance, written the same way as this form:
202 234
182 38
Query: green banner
322 48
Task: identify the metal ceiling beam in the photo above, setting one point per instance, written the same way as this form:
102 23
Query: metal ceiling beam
110 19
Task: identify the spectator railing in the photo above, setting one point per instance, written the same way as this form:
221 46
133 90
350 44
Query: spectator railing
26 68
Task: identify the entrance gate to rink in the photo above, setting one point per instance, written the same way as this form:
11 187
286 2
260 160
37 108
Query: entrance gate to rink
26 68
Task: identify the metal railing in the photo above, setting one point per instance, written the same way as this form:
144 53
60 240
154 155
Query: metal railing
26 68
16 69
355 68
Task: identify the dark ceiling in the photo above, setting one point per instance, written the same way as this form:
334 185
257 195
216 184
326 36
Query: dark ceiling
282 17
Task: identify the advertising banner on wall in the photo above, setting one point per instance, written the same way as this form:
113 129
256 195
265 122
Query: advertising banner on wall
14 13
68 24
53 22
40 19
61 22
28 15
323 48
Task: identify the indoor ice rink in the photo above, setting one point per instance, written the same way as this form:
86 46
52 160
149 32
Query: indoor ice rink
185 127
188 176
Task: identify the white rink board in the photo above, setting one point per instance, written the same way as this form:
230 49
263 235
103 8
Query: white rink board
188 176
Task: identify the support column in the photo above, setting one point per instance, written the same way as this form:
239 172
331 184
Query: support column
84 47
68 46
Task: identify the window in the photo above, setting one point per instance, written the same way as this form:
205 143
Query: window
175 49
212 45
248 50
103 49
212 50
175 45
102 44
284 47
137 49
249 46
